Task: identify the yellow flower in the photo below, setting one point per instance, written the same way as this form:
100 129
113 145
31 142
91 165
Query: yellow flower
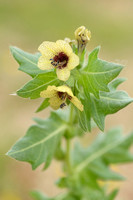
59 95
83 36
58 55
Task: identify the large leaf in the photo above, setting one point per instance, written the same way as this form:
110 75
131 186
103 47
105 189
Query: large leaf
106 149
108 103
40 142
33 88
97 74
27 61
96 163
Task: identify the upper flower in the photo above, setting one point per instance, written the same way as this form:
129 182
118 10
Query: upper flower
58 55
59 95
82 35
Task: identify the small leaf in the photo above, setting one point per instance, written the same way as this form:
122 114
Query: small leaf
33 88
40 142
43 105
27 61
36 195
112 195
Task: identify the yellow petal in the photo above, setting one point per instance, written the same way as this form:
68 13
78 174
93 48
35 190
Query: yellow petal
48 49
55 102
73 61
63 74
64 47
50 92
66 89
77 103
44 63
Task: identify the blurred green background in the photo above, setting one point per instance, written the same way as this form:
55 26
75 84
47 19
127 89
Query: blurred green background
27 24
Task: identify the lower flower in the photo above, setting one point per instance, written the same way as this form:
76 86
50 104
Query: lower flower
58 96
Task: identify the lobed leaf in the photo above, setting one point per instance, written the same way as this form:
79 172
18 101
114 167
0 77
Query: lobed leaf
99 153
108 103
40 142
97 74
27 61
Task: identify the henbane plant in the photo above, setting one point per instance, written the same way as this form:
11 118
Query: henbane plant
81 90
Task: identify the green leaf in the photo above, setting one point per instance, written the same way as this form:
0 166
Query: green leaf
98 93
27 61
40 142
97 74
109 103
36 195
33 88
112 195
98 154
43 105
84 116
93 164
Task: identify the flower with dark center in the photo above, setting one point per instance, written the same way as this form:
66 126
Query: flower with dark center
58 55
58 96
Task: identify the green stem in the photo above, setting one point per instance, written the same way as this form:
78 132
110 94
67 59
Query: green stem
68 159
68 144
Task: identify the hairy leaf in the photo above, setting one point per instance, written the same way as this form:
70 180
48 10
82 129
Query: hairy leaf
108 103
40 142
97 74
27 61
33 88
99 153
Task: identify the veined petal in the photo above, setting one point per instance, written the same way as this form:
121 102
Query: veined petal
63 74
77 103
66 89
48 49
50 92
64 47
44 63
73 61
55 102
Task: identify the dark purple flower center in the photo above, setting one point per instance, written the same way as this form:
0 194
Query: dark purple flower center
60 61
64 95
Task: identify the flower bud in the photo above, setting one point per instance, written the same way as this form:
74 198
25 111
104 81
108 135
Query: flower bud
70 42
82 36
